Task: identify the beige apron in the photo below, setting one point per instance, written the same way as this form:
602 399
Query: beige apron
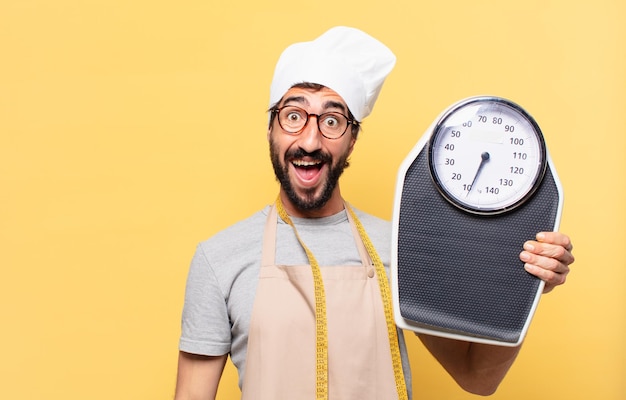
280 362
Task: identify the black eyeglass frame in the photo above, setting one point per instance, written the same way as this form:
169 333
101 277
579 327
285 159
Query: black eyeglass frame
350 122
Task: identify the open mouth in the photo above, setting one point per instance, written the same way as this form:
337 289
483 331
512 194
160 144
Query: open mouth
307 170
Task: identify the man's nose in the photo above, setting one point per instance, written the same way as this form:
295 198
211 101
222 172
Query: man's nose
311 137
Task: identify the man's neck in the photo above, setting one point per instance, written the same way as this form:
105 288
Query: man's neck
334 205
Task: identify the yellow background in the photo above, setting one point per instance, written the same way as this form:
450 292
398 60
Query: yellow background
131 130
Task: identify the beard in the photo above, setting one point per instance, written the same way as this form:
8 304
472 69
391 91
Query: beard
308 200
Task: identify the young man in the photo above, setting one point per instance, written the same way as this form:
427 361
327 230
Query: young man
293 293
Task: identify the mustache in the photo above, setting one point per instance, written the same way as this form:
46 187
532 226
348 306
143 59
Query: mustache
317 155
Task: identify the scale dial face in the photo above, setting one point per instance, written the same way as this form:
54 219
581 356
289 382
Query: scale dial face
487 155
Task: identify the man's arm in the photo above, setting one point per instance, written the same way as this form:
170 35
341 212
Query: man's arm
198 376
477 368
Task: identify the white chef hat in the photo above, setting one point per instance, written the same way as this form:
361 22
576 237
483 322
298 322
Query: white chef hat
346 60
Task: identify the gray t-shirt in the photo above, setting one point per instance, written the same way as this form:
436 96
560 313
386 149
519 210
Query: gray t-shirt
223 276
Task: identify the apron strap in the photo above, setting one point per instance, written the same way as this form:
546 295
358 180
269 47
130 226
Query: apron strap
366 260
268 254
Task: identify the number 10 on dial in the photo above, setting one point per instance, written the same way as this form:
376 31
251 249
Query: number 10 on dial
487 155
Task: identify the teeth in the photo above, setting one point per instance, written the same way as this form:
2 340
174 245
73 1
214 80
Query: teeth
301 163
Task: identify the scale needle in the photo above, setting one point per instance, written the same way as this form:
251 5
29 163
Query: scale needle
484 157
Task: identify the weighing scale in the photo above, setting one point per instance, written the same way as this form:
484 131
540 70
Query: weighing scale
477 185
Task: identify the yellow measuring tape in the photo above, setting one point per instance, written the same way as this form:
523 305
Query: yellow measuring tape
385 294
321 324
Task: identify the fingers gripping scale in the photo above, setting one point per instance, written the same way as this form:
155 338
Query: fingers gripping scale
477 185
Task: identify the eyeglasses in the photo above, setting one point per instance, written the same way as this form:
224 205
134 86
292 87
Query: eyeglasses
332 125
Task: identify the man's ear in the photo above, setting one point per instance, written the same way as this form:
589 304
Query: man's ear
352 143
270 126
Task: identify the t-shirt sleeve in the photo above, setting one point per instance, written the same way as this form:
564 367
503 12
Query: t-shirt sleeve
205 321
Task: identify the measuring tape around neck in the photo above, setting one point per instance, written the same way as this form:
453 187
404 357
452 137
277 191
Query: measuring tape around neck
321 324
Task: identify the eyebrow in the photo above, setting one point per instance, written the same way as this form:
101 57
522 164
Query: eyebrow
326 105
335 104
297 99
